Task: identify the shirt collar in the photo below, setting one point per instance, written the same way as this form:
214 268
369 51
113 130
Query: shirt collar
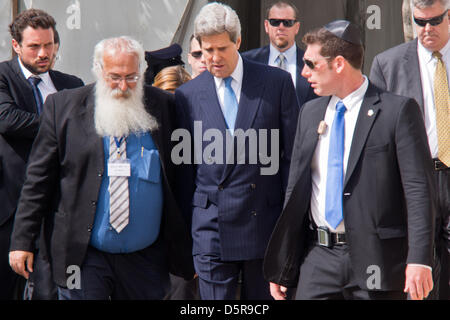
237 74
428 55
290 54
45 77
354 98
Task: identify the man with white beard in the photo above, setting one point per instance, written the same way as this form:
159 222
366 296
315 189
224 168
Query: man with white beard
103 152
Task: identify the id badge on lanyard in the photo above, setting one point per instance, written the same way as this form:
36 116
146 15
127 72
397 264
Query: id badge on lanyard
118 167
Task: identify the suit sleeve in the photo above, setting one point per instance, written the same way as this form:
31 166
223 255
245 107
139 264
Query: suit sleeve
415 166
38 190
376 74
14 120
289 115
185 172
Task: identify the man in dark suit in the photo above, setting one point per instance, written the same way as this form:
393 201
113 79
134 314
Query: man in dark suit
282 26
103 152
20 105
410 70
358 207
235 199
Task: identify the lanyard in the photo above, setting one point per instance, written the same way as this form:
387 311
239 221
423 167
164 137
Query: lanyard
118 143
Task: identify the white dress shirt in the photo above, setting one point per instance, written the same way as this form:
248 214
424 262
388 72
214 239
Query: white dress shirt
319 163
46 86
427 65
291 60
236 84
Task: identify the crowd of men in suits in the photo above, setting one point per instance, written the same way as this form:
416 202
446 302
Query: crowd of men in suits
96 207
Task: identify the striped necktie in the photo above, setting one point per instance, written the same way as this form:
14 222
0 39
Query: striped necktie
119 201
442 105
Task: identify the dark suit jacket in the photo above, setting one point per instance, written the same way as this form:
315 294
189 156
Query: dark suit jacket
19 125
388 211
303 89
397 70
68 156
234 206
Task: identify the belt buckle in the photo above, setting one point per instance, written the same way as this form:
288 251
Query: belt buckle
439 165
338 241
323 237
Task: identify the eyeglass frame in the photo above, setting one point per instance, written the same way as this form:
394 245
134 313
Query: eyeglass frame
116 79
435 21
288 23
196 54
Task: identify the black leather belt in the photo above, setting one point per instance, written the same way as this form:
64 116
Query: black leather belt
439 165
326 238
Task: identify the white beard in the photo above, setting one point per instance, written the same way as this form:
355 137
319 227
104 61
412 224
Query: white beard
120 117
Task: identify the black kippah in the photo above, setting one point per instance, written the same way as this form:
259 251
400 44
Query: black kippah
345 30
160 59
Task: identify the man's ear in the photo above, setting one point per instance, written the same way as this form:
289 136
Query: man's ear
16 46
339 63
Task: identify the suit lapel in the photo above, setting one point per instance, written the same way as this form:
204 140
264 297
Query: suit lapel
85 117
367 115
58 84
300 87
211 112
412 72
26 89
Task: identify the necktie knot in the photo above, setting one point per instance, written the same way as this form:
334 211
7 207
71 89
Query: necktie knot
340 107
34 80
228 81
437 55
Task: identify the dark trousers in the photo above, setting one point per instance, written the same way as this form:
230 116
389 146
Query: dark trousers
141 275
326 274
441 290
181 289
219 280
11 284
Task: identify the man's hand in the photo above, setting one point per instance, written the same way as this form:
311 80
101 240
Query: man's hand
278 292
419 282
21 262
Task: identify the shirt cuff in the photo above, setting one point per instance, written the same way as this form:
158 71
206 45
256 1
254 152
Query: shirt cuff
420 265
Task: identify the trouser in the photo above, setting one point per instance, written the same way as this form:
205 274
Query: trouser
326 274
141 275
219 280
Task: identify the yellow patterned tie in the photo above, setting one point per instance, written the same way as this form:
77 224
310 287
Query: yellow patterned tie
442 105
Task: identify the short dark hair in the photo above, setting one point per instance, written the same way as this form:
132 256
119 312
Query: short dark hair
283 4
333 46
34 18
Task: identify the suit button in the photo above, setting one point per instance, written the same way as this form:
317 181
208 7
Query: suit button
94 203
254 213
348 194
253 186
89 229
100 174
220 188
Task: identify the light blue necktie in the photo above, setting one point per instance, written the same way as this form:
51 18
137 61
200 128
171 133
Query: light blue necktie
230 105
335 171
34 81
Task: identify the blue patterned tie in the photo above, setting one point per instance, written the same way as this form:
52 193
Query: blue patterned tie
34 81
231 105
335 171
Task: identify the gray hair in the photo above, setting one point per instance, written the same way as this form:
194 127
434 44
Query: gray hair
114 46
216 18
428 3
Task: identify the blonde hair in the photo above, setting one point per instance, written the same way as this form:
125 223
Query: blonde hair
171 78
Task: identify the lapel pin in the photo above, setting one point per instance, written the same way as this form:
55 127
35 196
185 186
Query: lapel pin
370 113
322 127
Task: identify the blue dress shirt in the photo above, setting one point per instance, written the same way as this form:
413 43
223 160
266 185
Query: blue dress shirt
146 200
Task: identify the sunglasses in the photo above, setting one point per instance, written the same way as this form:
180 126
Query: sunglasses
311 64
432 21
196 54
286 22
